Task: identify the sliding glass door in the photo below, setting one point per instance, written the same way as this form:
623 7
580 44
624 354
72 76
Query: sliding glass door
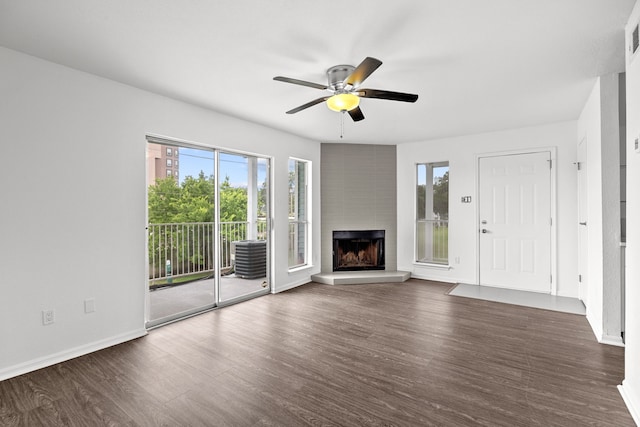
244 219
202 253
181 245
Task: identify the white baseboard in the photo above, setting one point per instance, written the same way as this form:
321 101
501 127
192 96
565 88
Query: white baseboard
434 278
601 337
292 285
52 359
633 409
611 340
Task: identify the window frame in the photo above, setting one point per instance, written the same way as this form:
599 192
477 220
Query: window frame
425 228
294 221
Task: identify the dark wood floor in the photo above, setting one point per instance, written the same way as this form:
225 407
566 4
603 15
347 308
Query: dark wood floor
384 354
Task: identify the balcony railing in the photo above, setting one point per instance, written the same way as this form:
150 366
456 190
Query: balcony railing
432 240
187 249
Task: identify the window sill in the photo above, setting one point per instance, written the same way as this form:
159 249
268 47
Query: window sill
432 266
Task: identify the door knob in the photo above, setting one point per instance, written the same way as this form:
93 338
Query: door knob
484 230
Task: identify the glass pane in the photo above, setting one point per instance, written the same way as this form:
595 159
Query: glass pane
180 233
243 225
297 213
432 213
421 191
297 243
441 192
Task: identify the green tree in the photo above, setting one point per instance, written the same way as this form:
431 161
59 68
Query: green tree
189 202
441 196
196 202
192 201
233 202
164 200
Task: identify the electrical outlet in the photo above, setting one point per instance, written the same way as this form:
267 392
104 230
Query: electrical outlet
48 317
89 305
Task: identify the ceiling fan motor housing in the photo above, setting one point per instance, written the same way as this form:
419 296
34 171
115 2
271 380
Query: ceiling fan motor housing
336 75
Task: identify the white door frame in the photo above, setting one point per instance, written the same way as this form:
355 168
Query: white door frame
554 207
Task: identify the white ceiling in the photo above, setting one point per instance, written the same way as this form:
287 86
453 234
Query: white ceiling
477 65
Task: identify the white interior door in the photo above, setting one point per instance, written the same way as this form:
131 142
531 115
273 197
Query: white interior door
515 221
582 221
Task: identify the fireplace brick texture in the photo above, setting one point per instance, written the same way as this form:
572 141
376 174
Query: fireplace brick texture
358 192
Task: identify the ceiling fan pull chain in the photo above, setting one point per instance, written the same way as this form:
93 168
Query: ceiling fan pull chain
342 124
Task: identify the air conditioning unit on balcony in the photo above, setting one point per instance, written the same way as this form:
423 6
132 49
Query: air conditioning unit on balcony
250 258
232 252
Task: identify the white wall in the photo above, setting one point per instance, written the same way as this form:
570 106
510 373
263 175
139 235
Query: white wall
590 128
630 388
461 152
73 204
599 126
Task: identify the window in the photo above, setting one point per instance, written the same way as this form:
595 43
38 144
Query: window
169 163
432 213
298 213
169 173
175 162
169 152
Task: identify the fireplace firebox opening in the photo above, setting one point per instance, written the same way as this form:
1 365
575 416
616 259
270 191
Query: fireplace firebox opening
358 250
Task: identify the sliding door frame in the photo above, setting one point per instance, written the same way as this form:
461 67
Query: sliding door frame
216 303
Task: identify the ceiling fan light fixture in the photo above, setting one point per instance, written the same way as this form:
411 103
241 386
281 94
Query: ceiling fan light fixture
343 102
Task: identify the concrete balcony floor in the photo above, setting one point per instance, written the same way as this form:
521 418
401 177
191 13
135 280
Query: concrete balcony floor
172 300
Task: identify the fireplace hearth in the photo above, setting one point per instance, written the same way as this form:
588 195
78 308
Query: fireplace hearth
357 250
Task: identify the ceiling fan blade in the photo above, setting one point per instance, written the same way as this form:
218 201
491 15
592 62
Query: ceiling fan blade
300 82
362 71
308 104
385 94
356 114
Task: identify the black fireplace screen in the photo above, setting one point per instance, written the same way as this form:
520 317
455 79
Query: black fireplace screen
358 250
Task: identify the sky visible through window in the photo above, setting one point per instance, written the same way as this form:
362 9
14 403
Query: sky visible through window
193 160
438 172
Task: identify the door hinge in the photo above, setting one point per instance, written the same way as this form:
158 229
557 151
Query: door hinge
579 278
550 164
550 221
551 279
